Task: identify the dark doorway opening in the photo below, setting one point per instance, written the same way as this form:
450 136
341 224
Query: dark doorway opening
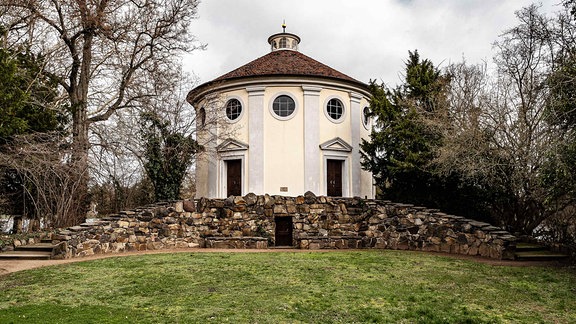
283 233
334 178
234 178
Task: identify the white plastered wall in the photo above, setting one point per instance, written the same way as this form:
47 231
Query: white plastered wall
284 157
329 130
284 144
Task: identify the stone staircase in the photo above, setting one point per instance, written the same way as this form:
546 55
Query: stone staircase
37 251
537 252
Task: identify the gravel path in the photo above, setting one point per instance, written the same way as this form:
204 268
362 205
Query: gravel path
9 266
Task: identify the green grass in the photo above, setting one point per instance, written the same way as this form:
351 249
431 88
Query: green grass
287 287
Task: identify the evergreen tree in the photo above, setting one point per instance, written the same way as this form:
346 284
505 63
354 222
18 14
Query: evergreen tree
167 156
28 106
402 143
26 96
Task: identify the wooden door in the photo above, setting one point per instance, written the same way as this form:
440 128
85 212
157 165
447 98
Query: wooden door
234 178
283 231
334 178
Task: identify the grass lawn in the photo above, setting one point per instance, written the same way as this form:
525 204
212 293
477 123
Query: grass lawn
288 287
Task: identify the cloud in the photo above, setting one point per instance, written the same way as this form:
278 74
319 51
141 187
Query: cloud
366 39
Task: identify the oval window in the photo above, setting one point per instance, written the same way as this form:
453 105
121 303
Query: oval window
366 116
202 116
233 109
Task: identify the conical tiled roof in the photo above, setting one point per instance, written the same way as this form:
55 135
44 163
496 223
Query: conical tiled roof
285 62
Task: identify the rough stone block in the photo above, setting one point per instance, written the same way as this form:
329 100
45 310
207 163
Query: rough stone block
445 247
280 209
188 206
495 253
179 206
402 246
455 249
480 234
478 224
181 244
269 201
291 209
483 250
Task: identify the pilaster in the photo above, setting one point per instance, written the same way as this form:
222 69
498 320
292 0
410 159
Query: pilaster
312 156
255 165
355 124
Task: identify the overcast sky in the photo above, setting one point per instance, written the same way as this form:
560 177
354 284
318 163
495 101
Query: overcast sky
365 39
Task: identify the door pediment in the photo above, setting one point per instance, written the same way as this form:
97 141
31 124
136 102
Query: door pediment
231 145
336 144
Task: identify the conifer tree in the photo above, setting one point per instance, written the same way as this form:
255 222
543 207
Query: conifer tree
168 154
402 144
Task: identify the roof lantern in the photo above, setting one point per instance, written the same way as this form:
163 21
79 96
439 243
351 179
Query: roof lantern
284 41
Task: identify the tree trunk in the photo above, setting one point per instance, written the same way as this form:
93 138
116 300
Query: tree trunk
80 139
17 225
79 165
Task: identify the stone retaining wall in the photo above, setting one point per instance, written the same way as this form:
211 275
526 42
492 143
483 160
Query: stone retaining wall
236 242
316 223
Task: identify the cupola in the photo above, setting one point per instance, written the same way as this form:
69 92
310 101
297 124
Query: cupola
284 41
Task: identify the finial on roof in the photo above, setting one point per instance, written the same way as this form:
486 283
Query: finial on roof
284 26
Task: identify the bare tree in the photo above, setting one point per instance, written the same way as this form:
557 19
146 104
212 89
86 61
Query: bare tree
465 147
499 134
47 182
102 53
121 150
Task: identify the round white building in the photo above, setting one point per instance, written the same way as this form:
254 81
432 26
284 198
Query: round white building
283 124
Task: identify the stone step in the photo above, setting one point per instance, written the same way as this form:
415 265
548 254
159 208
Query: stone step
47 247
524 247
537 252
540 256
26 255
